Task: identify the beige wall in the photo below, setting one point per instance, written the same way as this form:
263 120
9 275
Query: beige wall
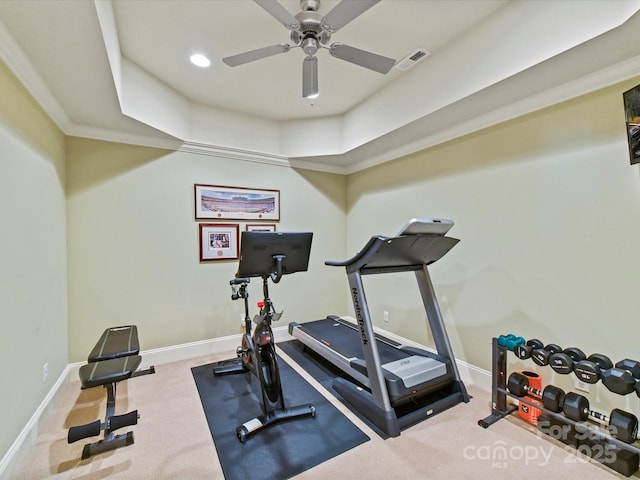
133 244
33 279
547 208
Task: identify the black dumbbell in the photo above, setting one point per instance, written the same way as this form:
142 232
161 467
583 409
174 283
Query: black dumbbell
590 370
552 397
622 425
620 459
524 350
541 355
622 378
563 362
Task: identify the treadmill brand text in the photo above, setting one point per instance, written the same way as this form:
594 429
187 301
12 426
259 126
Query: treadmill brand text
356 305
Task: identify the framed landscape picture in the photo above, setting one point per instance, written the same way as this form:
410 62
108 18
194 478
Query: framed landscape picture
236 203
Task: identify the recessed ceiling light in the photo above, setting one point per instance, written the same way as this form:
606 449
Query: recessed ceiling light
200 60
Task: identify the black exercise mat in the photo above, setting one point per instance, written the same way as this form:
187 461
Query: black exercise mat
282 450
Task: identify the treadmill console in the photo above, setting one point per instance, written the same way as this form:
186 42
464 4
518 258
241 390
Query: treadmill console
426 226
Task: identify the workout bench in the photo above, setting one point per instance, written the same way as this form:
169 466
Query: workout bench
114 358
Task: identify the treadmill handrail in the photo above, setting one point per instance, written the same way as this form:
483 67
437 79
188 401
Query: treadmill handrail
367 248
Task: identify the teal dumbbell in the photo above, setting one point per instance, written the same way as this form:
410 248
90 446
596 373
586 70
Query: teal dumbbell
510 341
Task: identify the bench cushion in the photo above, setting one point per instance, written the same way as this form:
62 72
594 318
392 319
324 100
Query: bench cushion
116 342
107 371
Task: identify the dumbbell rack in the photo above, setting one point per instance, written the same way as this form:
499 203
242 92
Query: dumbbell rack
501 408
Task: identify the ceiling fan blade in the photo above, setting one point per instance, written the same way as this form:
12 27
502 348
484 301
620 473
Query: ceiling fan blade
365 59
310 77
277 11
252 55
346 11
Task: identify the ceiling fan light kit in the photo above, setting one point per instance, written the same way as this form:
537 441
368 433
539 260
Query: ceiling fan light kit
310 77
312 31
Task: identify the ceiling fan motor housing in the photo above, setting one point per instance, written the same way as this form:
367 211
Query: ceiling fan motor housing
310 32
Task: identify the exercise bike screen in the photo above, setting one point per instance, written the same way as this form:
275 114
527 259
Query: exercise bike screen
257 250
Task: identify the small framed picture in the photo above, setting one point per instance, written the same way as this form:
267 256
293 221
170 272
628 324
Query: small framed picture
219 241
261 227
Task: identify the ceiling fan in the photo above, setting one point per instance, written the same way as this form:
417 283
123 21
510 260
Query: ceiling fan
311 31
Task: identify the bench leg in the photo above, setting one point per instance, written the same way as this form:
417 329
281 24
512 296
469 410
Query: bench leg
109 443
112 422
111 400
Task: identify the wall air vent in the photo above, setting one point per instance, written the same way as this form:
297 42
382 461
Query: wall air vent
410 60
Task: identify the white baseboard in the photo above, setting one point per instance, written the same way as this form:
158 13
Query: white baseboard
28 436
185 351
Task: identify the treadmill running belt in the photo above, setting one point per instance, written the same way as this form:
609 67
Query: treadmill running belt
345 341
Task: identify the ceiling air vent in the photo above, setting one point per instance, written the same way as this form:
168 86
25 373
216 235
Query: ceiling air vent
410 60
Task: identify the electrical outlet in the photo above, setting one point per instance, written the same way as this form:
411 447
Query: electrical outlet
582 386
385 316
45 372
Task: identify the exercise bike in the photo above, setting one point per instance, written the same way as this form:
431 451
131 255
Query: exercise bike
257 354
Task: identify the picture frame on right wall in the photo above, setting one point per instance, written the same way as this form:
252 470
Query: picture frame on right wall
632 114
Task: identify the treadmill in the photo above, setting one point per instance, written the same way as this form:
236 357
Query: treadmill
392 385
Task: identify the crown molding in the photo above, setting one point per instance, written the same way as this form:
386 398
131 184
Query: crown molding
234 153
117 136
13 56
